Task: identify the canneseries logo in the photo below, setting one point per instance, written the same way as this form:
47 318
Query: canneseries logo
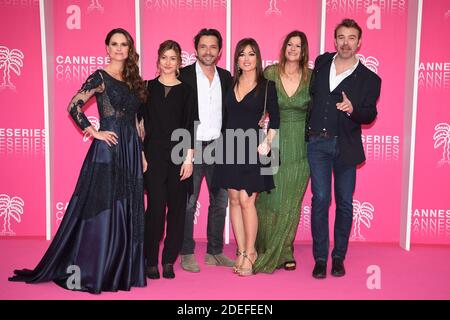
273 9
185 4
95 123
22 142
61 208
441 139
11 61
74 19
187 58
362 215
11 209
95 6
370 62
304 226
358 6
434 75
431 222
19 3
381 147
78 68
197 212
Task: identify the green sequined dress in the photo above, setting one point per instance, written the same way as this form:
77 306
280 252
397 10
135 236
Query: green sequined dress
279 210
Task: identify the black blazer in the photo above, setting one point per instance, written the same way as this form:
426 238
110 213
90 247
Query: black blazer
189 76
362 88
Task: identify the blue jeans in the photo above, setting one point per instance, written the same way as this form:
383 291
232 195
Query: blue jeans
323 158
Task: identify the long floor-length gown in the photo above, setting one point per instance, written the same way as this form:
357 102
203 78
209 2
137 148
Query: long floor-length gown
102 232
279 210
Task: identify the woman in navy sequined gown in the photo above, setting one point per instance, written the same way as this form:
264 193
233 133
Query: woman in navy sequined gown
99 244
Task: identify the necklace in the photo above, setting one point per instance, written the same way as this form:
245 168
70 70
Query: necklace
292 76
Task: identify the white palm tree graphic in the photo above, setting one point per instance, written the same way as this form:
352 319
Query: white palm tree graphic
10 208
187 59
442 138
10 60
370 62
362 212
197 212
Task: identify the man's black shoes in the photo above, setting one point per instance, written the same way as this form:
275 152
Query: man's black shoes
320 270
337 268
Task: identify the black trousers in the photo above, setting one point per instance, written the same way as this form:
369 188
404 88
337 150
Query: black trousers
165 191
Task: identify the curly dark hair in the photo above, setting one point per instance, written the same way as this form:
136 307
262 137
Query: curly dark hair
130 73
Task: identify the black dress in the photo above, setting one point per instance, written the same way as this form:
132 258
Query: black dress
244 171
102 231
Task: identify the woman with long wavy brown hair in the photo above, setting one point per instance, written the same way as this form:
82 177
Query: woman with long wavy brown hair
99 244
279 211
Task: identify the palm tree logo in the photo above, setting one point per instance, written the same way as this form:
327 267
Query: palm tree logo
442 138
370 62
362 213
95 123
187 59
95 5
10 208
10 60
273 9
197 212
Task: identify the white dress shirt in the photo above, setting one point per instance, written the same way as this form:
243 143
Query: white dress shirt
335 80
209 105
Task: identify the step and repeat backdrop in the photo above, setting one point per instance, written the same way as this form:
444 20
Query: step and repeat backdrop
75 35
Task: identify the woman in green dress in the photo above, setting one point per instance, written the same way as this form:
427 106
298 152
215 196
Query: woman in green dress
279 210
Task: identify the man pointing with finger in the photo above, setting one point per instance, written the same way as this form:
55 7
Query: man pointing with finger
343 96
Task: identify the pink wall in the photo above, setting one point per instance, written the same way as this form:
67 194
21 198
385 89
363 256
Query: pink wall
180 21
431 211
22 134
79 34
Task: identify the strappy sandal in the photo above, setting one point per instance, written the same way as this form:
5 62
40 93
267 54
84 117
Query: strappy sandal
238 254
290 265
244 272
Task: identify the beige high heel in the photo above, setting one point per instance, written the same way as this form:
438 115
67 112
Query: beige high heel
244 272
237 267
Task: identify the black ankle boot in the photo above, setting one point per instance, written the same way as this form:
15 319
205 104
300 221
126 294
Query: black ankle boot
168 271
152 272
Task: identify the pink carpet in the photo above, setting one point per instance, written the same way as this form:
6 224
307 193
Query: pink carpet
422 273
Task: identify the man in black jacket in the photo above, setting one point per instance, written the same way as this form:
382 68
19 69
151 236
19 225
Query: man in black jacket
210 84
344 94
